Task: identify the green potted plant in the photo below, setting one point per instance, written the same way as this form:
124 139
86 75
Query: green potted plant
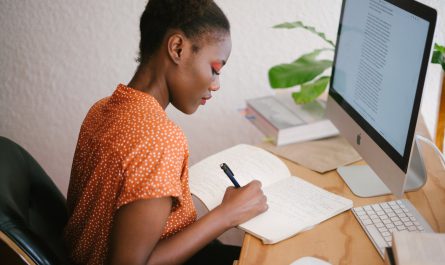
304 69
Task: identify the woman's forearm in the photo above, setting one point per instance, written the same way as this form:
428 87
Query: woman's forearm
183 245
238 206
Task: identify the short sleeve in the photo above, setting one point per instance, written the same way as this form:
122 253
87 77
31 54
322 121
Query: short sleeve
152 171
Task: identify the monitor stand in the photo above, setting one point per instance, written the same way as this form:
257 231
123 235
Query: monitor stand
363 182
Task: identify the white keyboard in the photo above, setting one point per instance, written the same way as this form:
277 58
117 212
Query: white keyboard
380 220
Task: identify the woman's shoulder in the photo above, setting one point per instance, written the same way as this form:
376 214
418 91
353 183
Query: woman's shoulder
165 130
94 112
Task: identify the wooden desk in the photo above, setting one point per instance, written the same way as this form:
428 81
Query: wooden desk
341 240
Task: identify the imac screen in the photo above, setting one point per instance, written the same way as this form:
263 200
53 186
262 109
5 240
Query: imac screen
377 68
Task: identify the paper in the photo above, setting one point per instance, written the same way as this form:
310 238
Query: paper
206 176
294 204
320 155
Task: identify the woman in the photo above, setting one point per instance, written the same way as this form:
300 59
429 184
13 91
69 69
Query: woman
128 198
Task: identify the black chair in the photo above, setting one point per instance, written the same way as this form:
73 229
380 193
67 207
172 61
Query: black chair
32 210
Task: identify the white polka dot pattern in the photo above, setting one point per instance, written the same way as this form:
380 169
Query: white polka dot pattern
127 150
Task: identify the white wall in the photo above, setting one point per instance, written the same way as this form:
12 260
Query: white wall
58 57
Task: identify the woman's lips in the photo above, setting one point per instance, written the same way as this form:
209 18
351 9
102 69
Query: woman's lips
204 99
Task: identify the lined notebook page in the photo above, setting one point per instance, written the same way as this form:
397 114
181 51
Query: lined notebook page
294 205
208 182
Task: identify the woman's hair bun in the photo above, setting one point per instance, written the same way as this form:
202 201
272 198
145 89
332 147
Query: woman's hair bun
184 10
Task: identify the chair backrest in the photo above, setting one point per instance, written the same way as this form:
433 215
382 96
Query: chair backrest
32 210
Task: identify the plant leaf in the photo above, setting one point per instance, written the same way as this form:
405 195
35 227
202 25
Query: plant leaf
310 92
439 48
311 56
439 55
302 70
297 73
299 24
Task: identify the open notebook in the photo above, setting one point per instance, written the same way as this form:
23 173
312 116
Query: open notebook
294 204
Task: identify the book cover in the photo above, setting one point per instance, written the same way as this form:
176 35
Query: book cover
285 122
411 248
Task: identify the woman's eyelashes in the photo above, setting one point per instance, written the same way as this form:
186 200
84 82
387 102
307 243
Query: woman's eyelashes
216 68
214 72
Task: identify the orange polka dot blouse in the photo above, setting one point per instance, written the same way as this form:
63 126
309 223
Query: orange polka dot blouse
127 150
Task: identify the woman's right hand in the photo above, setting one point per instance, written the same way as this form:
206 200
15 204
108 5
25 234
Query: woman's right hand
241 204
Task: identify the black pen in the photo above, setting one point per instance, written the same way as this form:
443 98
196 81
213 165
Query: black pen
229 174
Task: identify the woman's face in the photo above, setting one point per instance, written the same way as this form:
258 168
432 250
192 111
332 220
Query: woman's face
197 76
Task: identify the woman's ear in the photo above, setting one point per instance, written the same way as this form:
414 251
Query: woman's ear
175 46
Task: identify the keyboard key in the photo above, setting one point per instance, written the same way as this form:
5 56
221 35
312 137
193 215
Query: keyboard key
412 228
365 218
385 205
383 230
367 222
378 225
376 207
388 239
386 234
373 216
395 206
361 212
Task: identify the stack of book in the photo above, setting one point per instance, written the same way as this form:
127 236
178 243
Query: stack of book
410 248
285 122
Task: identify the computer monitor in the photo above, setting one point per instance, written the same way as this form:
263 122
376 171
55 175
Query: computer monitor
381 57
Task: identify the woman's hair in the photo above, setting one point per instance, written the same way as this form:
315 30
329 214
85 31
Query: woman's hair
193 17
